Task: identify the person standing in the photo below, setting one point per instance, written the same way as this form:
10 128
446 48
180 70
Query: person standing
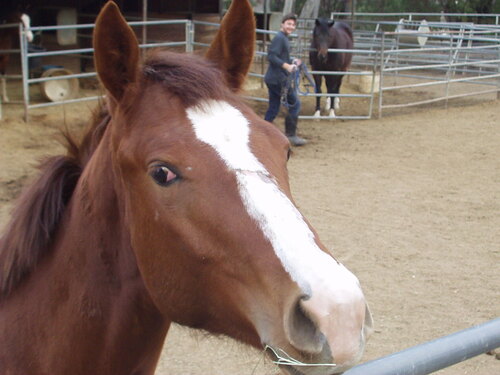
277 76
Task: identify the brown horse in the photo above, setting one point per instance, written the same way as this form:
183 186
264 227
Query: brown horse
8 38
328 34
175 207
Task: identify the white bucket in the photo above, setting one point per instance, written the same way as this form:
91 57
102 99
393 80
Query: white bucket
61 89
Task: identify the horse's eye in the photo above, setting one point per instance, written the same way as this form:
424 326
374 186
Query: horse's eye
162 175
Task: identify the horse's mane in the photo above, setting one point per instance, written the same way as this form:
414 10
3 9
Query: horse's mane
39 209
191 78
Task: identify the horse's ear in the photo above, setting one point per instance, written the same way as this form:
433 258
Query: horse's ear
317 22
116 51
233 47
331 23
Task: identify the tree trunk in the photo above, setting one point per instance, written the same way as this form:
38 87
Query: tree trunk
259 6
289 6
310 9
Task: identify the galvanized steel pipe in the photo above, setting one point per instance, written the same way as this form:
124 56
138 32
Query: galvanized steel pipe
435 355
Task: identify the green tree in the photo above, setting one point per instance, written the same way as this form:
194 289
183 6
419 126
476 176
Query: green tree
428 6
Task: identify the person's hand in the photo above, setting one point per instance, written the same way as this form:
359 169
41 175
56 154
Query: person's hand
297 62
290 68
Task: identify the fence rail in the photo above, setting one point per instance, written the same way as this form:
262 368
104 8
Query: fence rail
416 15
435 355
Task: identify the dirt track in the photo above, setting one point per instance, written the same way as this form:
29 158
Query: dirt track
410 203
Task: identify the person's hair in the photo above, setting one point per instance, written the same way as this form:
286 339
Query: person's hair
289 16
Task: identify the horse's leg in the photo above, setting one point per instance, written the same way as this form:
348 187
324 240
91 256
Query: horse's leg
5 98
331 82
328 103
337 91
317 82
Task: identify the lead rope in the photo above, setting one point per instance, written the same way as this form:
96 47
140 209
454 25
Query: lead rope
293 83
284 359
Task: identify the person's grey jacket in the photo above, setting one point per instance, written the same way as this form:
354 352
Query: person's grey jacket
277 54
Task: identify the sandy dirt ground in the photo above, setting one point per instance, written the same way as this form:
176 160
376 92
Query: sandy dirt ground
410 203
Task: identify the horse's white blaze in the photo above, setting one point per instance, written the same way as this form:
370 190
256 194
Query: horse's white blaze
223 127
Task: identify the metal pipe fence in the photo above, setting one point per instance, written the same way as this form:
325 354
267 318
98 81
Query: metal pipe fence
28 81
463 64
460 59
435 355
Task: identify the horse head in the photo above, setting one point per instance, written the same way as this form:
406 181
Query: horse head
323 37
203 188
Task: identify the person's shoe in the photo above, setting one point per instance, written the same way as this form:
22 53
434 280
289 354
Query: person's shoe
297 141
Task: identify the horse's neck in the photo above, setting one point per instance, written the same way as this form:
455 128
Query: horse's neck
90 288
108 274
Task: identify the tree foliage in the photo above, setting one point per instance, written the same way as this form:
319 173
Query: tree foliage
416 6
428 6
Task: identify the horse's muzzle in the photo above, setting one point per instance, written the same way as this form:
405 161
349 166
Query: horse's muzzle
322 56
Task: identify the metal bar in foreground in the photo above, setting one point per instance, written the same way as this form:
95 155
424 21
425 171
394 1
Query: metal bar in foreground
435 355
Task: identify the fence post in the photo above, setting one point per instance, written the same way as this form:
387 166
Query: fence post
263 59
372 86
448 73
498 71
23 45
381 79
144 25
189 36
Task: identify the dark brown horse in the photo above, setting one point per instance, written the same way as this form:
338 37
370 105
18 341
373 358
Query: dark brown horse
175 207
328 34
9 36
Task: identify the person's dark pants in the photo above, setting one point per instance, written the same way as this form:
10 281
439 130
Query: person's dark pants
275 102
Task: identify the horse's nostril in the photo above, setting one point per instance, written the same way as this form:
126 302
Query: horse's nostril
302 331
